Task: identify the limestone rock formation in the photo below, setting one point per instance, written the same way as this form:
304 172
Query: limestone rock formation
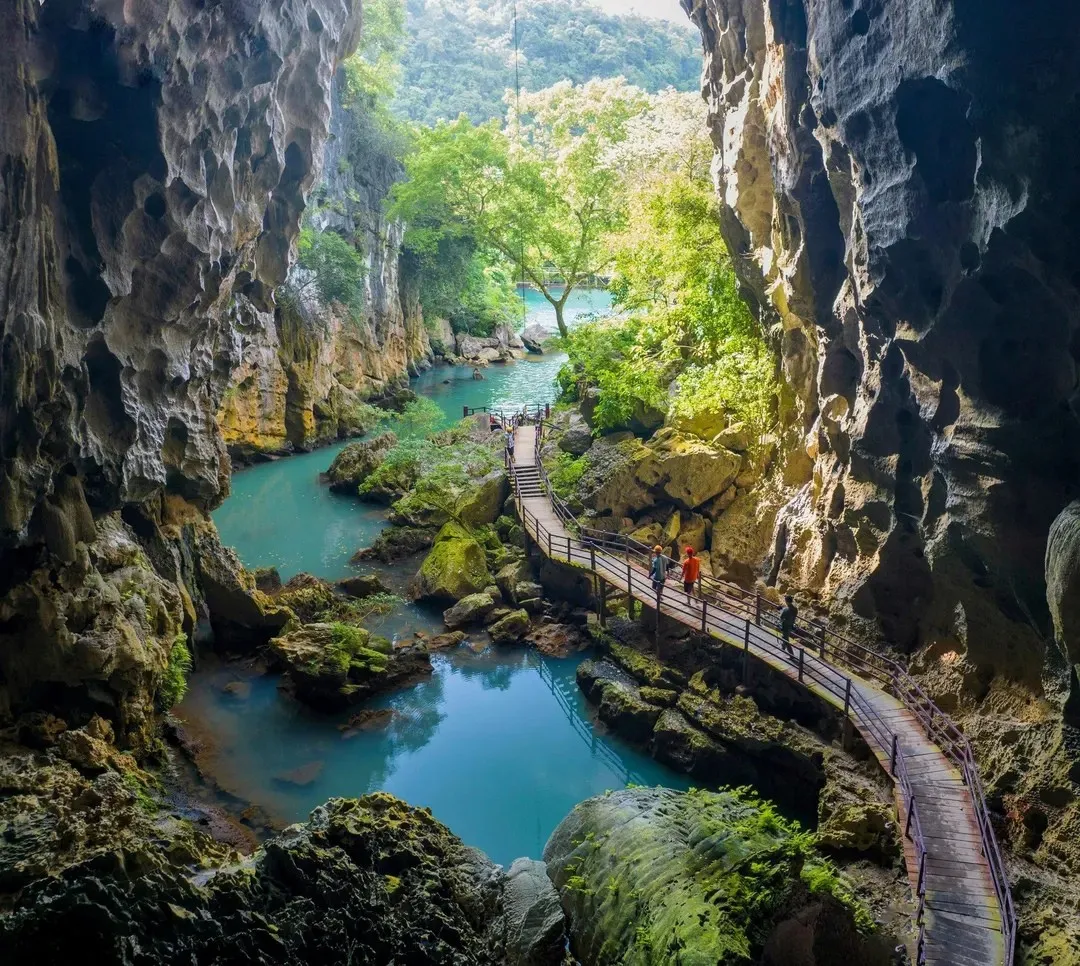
157 157
305 372
365 881
455 567
330 666
357 461
892 194
644 871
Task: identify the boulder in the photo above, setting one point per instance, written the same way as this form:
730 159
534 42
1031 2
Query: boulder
717 876
622 707
610 483
577 438
482 502
686 470
455 567
556 640
511 575
704 423
534 336
527 590
363 585
357 461
737 437
267 579
535 922
440 642
511 629
396 543
860 827
469 610
329 666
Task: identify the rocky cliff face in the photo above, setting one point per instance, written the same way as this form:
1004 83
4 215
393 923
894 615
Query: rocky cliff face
895 193
304 371
154 161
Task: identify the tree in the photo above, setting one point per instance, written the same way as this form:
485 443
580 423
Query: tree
542 193
332 267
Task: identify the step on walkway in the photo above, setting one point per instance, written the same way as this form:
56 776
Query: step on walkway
946 834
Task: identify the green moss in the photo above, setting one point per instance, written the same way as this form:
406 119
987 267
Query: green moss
456 566
174 683
707 874
647 670
352 648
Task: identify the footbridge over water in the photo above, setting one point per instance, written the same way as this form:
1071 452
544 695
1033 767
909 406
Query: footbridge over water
964 909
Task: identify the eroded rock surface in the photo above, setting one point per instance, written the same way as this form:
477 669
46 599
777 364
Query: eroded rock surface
891 191
366 881
647 872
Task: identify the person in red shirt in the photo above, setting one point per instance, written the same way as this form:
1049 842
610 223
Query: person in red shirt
691 570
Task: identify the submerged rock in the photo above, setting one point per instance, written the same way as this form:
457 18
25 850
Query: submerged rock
363 585
364 881
455 567
656 876
357 461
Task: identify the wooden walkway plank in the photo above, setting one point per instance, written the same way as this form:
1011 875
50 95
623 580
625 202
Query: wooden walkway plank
964 922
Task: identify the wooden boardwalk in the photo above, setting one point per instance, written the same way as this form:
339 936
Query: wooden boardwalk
964 911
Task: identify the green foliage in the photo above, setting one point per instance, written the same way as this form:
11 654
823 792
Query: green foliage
541 194
473 291
373 71
354 647
377 605
566 473
683 321
335 269
457 56
174 684
419 418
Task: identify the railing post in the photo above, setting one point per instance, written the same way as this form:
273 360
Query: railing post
592 557
704 618
629 580
746 653
550 554
802 655
568 559
823 642
892 762
847 697
757 610
464 412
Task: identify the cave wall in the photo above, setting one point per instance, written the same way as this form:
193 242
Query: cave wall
898 185
154 163
300 377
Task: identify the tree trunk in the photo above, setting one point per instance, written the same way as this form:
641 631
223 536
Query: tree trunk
559 320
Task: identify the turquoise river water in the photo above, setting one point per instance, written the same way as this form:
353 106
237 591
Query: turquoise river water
499 743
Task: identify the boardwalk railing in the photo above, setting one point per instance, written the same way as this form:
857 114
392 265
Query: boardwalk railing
748 620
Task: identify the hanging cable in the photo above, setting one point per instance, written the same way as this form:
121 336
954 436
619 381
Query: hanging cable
517 123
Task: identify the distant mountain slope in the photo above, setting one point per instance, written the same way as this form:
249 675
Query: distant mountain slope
459 54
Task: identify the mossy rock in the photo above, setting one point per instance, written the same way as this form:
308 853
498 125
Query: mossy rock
864 827
357 461
510 629
455 567
396 543
661 697
483 501
655 876
644 668
623 708
469 610
331 665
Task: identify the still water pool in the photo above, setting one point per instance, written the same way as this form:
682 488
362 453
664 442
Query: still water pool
500 745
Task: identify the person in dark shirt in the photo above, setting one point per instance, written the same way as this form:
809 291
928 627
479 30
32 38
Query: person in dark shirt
788 613
658 569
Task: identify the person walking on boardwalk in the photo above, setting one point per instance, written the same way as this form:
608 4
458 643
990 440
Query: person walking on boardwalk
691 571
510 444
658 569
788 613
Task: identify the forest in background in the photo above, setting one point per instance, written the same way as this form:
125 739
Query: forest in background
458 56
574 181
